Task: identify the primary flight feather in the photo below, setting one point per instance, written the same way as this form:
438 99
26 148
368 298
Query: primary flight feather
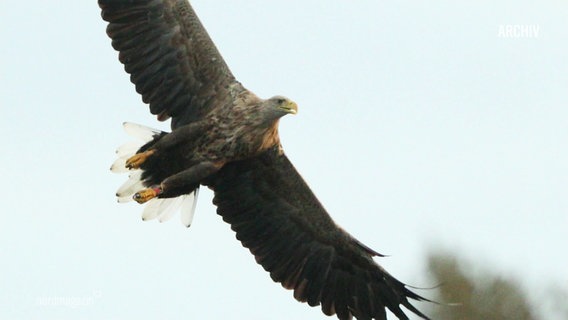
225 137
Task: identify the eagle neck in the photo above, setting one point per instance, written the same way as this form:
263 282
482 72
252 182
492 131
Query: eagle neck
270 137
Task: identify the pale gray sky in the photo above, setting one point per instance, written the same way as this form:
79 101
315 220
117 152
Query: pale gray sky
418 127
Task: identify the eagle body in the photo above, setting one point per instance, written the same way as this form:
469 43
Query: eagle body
240 131
225 137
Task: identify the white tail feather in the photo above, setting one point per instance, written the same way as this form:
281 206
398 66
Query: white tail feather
188 208
162 208
152 209
140 132
132 185
169 211
119 165
124 199
128 149
165 209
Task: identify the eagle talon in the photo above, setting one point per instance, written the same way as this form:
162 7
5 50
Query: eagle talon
138 159
146 195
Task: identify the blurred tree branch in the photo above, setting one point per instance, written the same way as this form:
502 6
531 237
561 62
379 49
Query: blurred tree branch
484 296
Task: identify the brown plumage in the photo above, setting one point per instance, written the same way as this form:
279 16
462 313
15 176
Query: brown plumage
225 137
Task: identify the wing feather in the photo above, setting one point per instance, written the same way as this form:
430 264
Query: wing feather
276 216
170 58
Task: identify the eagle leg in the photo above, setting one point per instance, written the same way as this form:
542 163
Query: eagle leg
180 182
138 159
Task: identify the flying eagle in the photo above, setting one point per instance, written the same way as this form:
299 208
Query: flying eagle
225 137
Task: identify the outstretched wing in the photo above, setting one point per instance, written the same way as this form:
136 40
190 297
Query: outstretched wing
278 218
169 56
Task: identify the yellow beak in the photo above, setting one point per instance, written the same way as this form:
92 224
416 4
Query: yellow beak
291 107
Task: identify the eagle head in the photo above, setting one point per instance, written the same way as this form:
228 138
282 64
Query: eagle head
277 107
